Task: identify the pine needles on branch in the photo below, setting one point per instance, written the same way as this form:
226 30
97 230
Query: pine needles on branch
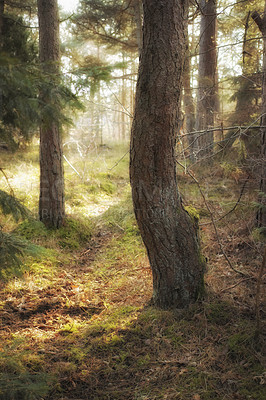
12 248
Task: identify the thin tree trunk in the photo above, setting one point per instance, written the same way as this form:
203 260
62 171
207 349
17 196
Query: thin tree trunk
138 11
51 202
189 108
123 105
261 214
167 230
2 7
207 99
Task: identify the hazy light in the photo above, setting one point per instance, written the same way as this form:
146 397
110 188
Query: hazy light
68 5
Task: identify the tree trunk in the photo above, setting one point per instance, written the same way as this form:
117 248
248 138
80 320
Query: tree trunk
261 214
166 228
207 98
2 7
51 202
189 108
137 6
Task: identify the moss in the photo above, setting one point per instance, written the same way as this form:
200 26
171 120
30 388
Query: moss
74 233
143 360
240 346
108 187
259 234
193 213
220 313
32 229
171 333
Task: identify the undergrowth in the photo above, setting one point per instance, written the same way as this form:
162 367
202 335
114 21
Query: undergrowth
77 324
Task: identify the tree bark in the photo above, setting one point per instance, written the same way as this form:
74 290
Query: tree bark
166 228
261 214
51 202
207 98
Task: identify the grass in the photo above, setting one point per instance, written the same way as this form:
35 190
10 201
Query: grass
76 322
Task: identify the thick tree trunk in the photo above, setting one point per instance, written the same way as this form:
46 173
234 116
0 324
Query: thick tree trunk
167 230
207 98
261 214
51 203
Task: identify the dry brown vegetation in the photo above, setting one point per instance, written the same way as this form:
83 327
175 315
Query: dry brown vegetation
77 324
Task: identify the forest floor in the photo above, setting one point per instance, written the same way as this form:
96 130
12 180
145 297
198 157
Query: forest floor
76 318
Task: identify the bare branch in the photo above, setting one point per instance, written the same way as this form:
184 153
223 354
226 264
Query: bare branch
213 220
258 20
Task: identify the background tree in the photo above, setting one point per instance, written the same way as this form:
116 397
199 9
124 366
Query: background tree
261 214
188 100
240 78
115 23
166 228
207 96
51 202
2 7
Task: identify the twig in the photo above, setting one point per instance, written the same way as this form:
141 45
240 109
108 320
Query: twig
236 284
110 169
7 180
219 128
213 221
120 103
233 209
69 163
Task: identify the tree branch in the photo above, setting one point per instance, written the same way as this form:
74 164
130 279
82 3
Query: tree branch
258 20
213 221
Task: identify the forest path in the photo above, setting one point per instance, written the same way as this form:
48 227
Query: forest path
46 306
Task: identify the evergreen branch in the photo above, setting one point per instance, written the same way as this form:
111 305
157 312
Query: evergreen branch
20 24
7 180
11 206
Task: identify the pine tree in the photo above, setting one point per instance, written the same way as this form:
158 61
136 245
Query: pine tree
115 23
51 202
207 96
261 214
166 228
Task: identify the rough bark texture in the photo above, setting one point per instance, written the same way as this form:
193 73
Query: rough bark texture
261 214
51 203
207 99
167 230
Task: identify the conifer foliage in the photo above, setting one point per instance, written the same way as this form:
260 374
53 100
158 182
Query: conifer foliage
11 247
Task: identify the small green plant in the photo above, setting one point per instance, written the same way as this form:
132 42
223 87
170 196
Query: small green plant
74 233
241 346
220 313
25 386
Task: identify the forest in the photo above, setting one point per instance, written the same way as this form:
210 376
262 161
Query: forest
132 199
